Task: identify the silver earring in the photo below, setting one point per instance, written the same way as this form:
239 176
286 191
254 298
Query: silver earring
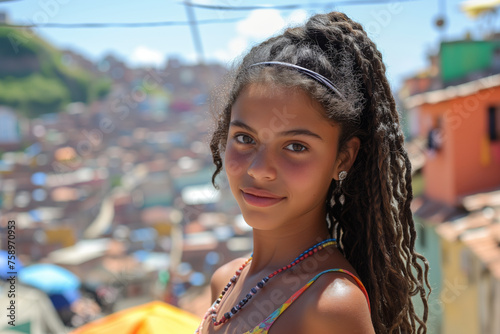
342 177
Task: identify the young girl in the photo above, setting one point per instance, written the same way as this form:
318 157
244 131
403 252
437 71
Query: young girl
314 155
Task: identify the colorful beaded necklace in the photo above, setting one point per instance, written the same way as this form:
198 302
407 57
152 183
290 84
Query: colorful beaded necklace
212 311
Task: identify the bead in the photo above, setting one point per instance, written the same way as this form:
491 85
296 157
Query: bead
212 311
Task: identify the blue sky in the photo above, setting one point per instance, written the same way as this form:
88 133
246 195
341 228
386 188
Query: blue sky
403 31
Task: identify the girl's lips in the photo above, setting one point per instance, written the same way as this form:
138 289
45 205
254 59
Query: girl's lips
260 201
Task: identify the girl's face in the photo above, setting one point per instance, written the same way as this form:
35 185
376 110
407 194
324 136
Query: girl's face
281 156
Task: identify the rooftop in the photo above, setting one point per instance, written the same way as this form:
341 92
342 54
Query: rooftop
452 92
479 230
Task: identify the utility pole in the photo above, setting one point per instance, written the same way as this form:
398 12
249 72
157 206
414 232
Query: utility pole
194 31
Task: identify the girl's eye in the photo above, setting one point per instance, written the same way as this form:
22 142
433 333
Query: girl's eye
296 147
243 139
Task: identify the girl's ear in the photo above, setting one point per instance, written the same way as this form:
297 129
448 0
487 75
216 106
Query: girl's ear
346 157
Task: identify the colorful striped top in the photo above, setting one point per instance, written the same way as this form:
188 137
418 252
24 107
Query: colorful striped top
264 327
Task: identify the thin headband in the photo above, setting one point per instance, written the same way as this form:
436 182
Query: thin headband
316 76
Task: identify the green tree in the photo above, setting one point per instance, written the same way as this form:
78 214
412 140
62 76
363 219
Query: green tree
34 80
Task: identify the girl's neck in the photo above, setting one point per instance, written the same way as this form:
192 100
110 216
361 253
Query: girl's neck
274 249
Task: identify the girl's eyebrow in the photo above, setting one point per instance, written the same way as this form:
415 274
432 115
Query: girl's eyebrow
293 132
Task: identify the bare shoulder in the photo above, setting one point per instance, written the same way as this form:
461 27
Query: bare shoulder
222 275
337 305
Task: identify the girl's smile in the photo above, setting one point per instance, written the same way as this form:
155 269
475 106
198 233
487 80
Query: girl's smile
260 198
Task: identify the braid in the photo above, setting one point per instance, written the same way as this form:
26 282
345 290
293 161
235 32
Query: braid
391 173
374 226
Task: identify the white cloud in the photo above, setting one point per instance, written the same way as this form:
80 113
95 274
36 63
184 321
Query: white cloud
258 26
298 16
237 45
235 48
261 23
221 56
145 56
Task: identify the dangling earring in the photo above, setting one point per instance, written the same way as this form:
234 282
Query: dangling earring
337 192
342 177
328 223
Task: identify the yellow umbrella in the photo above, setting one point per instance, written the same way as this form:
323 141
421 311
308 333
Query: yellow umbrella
474 8
151 318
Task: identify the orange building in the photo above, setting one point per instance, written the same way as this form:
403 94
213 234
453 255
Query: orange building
454 109
459 211
462 126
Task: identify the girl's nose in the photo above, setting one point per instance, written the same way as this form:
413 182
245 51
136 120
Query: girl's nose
261 165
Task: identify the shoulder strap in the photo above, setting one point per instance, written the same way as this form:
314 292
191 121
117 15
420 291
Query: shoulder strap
267 323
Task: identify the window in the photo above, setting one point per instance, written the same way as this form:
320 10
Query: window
494 123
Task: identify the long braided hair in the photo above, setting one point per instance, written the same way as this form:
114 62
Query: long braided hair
373 224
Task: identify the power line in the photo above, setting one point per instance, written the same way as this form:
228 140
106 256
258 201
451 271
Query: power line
117 25
192 4
292 6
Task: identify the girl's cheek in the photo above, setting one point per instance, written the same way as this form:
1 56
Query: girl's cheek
298 169
235 161
306 178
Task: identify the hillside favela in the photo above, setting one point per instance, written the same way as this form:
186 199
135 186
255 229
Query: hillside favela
108 207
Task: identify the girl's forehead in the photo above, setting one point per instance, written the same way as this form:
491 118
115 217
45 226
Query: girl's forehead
281 110
268 89
257 96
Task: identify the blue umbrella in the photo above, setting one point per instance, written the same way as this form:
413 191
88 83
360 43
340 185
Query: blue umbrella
7 267
65 299
49 278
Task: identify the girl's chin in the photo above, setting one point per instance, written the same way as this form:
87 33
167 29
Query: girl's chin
261 220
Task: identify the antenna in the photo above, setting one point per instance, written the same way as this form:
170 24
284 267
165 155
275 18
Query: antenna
440 21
